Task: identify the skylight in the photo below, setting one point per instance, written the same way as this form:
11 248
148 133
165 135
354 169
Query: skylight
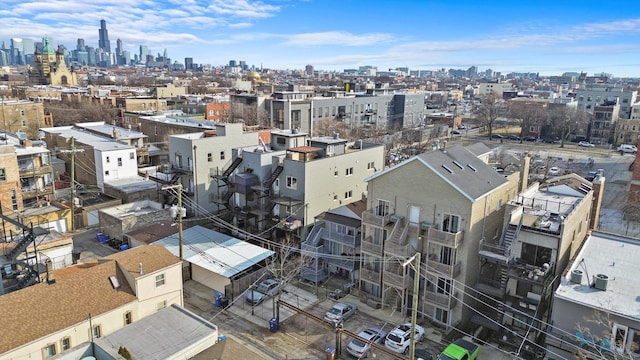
472 168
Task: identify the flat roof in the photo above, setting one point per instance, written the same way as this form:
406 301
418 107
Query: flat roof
107 130
611 255
133 184
164 334
96 141
214 251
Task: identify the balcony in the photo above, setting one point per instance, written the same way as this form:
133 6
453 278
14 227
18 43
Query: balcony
348 263
399 250
182 169
28 171
371 217
31 192
444 269
347 240
369 246
495 253
396 280
370 275
441 300
445 238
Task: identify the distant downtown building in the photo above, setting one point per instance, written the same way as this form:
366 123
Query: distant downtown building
103 42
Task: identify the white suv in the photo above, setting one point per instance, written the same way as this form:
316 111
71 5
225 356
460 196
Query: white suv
626 148
399 338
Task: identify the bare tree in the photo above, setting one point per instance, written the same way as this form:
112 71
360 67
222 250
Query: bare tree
564 120
328 126
286 262
71 112
488 110
526 115
601 342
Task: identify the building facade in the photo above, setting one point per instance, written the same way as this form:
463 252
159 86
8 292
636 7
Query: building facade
436 204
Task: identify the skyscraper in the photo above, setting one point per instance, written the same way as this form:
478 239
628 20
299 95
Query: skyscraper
119 47
188 63
103 42
80 46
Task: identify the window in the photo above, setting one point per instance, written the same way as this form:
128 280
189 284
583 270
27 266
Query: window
450 223
106 173
21 112
3 174
65 344
132 155
382 209
49 350
371 166
348 194
160 280
161 305
209 157
444 286
335 197
221 155
128 318
335 173
96 331
14 199
292 183
108 159
349 171
441 315
119 161
155 130
24 122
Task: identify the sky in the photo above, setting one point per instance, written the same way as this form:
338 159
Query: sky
548 37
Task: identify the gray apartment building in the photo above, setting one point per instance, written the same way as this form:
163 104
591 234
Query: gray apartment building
441 203
290 181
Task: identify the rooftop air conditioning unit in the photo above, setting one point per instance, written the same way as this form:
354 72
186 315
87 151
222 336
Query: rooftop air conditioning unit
600 282
576 276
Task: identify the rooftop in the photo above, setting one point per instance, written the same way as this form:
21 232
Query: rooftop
108 130
216 252
615 257
97 142
162 335
39 310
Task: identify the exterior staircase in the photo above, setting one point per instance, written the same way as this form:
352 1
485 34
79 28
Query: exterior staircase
274 175
503 279
234 165
510 235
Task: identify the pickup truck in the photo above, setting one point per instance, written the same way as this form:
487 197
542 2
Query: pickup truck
461 349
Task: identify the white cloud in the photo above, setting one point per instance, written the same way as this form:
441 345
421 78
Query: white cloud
336 38
243 8
240 25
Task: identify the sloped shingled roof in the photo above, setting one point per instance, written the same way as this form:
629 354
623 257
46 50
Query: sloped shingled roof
39 310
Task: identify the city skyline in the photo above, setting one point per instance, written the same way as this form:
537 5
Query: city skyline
545 37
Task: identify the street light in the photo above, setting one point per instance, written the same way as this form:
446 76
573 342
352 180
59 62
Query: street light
414 303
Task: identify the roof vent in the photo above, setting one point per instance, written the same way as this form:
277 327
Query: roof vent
447 168
472 168
600 282
576 276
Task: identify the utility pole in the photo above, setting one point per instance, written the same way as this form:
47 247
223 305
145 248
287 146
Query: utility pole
414 303
73 152
179 187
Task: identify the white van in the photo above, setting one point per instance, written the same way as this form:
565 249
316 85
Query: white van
628 149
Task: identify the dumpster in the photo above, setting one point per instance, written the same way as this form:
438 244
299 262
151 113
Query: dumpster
331 353
273 324
224 301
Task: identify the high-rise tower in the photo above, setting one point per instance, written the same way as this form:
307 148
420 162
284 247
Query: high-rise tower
103 41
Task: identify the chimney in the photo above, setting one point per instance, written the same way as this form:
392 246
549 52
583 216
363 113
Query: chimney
50 278
140 269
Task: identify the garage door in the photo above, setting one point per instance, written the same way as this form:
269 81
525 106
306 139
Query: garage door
58 225
92 218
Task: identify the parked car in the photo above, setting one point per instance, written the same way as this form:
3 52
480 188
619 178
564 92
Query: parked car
549 140
627 149
462 127
340 312
455 132
399 339
422 354
496 136
591 175
461 349
269 287
555 171
529 138
585 144
361 349
513 137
